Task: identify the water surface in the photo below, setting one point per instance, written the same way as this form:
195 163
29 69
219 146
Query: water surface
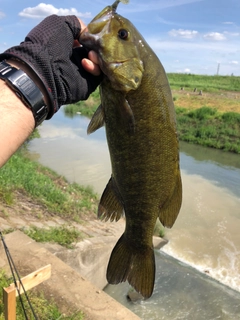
181 293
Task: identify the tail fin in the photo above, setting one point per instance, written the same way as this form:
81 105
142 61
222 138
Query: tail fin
137 265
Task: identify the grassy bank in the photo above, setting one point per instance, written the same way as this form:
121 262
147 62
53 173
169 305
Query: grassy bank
27 184
45 187
203 82
211 119
207 127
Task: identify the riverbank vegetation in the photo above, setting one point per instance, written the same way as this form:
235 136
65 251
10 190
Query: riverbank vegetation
207 127
211 118
32 190
203 82
68 200
84 107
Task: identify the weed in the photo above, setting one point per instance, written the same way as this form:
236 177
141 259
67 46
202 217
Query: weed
231 117
159 230
206 127
6 195
61 235
202 113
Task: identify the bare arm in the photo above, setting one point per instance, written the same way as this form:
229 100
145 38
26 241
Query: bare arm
16 120
17 123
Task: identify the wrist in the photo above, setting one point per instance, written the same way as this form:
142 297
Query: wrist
24 67
25 89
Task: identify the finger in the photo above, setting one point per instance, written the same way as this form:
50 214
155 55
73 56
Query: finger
91 67
92 55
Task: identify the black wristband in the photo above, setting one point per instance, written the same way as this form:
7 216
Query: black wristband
26 90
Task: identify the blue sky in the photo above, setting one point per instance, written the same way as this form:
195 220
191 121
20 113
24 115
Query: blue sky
189 36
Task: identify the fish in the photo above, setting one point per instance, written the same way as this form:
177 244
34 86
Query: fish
138 113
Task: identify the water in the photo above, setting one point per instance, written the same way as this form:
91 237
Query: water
65 147
205 236
181 293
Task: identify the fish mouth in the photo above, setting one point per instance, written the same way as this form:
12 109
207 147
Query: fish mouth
91 36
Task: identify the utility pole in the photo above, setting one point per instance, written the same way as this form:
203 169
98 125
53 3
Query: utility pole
218 67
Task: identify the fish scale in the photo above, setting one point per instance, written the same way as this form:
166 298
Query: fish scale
138 112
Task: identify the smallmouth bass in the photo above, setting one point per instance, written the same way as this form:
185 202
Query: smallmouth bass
138 112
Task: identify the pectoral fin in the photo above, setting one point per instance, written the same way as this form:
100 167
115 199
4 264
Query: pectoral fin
110 206
169 212
97 120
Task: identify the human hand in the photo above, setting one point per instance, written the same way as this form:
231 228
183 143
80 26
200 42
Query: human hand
90 64
69 73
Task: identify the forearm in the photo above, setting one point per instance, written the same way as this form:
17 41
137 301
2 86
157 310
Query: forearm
63 71
16 122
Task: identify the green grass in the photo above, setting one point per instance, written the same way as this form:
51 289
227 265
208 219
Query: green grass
204 82
44 308
64 236
207 127
159 230
46 187
83 107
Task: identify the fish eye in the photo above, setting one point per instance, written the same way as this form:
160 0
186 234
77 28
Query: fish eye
123 34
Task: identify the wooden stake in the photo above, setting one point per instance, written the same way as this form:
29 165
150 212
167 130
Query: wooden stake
9 300
10 293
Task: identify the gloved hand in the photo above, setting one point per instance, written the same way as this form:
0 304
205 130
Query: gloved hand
48 51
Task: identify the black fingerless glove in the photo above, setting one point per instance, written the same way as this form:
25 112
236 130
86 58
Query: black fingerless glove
48 51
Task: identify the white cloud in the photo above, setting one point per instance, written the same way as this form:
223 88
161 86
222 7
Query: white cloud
186 34
187 70
215 36
232 34
43 10
2 14
234 62
228 22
